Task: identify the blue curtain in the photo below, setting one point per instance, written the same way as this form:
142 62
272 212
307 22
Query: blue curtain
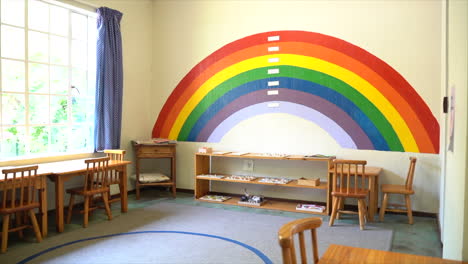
109 80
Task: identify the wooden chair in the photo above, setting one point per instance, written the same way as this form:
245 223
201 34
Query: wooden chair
20 193
349 181
405 190
95 183
286 239
114 175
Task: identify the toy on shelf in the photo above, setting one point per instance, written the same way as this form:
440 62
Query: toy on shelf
216 198
210 176
241 178
248 199
274 180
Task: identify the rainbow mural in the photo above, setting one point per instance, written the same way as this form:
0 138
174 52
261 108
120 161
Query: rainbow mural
361 101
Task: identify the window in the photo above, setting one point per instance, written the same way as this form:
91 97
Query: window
47 80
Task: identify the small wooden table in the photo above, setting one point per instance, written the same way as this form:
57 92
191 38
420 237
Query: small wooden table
62 171
148 150
373 173
338 254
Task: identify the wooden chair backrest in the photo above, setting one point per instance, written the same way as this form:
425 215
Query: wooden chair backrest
349 176
96 177
410 175
114 154
19 188
286 239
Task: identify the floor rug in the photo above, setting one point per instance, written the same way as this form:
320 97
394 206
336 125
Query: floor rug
176 233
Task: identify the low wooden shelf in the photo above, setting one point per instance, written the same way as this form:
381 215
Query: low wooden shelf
293 183
203 184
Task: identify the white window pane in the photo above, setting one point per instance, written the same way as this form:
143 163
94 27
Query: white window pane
59 139
13 73
38 15
38 45
13 111
79 82
59 20
12 42
58 109
13 12
38 78
58 80
82 137
82 110
79 54
13 142
58 50
39 109
79 26
39 139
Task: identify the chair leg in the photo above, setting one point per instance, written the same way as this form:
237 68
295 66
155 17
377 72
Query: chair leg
106 204
408 209
137 187
174 190
362 209
18 221
70 208
6 223
383 207
366 211
35 225
340 207
336 203
86 211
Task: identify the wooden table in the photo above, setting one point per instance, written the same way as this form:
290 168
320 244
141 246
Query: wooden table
338 254
42 200
373 173
62 171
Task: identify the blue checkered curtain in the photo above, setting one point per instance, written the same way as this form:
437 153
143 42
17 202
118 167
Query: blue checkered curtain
109 80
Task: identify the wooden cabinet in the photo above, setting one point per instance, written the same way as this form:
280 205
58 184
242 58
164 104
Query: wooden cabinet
203 184
155 151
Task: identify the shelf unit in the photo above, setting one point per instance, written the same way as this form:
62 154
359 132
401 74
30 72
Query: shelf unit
203 184
155 151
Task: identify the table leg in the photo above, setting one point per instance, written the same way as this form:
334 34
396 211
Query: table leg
329 197
43 210
376 194
372 203
173 175
123 188
59 196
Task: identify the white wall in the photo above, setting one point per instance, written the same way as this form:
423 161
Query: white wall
455 235
405 34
